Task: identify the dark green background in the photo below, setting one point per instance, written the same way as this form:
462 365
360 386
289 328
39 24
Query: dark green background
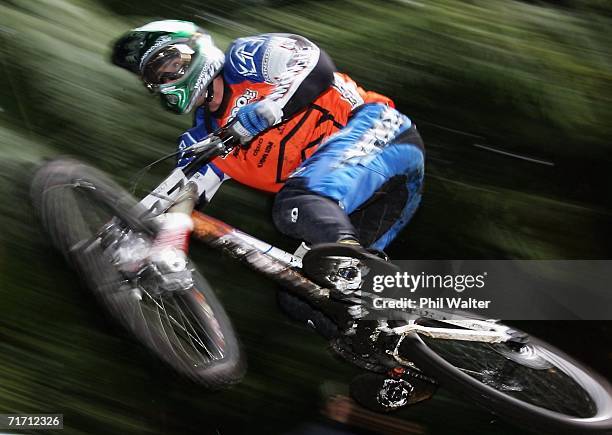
532 78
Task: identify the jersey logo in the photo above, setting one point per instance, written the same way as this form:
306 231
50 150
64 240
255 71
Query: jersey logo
348 91
243 57
241 101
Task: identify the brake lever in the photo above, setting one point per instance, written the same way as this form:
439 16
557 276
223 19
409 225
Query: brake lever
226 141
200 146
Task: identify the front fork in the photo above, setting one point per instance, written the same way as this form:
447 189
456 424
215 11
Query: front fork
167 268
186 199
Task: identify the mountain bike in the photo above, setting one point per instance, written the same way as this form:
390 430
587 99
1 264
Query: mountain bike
93 221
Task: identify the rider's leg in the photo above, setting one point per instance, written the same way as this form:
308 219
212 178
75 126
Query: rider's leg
381 218
305 215
378 145
413 187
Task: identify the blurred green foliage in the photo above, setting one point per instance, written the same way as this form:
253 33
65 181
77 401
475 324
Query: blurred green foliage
517 73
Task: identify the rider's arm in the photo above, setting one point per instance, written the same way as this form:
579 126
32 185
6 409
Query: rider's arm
298 70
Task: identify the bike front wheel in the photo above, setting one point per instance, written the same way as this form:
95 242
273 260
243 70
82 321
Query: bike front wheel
188 329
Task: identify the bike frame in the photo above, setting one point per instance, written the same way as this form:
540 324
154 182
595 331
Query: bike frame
270 260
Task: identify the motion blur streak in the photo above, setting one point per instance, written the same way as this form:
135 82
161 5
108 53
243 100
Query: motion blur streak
529 78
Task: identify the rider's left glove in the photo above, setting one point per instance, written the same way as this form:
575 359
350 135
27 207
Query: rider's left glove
254 118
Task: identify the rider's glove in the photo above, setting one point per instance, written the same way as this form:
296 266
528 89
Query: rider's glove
254 118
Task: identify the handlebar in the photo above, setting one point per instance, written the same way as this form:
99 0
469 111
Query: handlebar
218 143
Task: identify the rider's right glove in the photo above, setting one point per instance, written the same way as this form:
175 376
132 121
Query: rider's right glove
254 118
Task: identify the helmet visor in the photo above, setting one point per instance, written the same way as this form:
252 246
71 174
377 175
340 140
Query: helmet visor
167 66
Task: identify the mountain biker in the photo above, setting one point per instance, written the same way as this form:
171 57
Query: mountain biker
346 167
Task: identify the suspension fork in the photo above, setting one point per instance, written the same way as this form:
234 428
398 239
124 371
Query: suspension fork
186 199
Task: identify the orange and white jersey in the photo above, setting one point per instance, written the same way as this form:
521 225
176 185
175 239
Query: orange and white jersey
316 102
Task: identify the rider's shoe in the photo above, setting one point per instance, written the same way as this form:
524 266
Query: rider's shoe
344 266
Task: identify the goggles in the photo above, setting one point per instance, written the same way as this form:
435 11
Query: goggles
167 66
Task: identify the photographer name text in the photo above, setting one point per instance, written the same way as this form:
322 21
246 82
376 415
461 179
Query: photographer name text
431 303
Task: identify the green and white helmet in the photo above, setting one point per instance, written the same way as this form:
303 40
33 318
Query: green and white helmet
176 59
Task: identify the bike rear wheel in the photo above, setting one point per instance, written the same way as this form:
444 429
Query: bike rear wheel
188 329
536 385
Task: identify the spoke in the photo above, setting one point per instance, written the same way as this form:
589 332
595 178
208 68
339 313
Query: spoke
181 326
173 321
193 334
158 309
209 338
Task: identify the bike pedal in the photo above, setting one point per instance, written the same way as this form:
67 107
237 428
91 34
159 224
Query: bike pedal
388 392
